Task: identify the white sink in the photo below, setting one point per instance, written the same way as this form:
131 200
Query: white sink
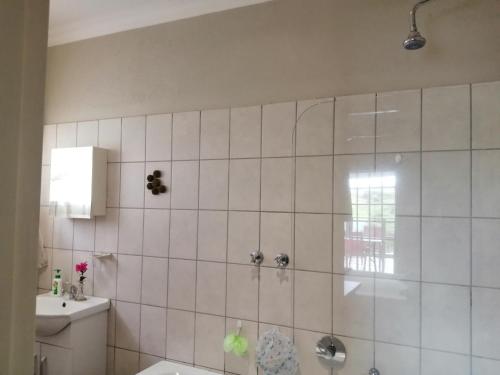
53 314
171 368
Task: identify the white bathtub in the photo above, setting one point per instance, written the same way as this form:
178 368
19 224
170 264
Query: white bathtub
171 368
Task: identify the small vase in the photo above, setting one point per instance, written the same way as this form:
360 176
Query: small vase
79 292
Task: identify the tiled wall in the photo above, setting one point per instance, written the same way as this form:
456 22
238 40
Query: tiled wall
390 212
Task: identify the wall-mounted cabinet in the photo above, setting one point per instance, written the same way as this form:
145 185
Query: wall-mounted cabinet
78 182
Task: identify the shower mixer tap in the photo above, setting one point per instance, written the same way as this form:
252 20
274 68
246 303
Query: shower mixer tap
282 260
256 257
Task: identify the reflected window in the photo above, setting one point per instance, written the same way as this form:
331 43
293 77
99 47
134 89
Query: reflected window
369 235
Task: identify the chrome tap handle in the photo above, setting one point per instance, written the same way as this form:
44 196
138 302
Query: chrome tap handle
282 260
256 257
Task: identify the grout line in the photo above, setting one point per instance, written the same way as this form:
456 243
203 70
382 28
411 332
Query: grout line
420 328
169 231
197 237
372 245
471 331
227 228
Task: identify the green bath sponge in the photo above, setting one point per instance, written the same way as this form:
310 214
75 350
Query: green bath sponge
235 343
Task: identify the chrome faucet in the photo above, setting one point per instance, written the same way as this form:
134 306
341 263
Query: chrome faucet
70 289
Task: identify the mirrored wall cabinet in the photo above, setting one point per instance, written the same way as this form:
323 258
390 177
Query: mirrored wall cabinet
78 182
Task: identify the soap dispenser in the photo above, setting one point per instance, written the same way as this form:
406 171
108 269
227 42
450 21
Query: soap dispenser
57 284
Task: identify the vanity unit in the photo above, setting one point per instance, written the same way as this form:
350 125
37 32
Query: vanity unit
70 336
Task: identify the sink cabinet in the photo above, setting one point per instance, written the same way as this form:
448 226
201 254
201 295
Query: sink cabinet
79 349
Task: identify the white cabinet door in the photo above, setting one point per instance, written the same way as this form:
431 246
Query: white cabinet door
57 360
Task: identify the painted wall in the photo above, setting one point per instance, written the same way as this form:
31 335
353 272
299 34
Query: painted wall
23 36
278 51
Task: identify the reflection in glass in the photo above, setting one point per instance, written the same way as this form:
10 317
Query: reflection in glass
369 235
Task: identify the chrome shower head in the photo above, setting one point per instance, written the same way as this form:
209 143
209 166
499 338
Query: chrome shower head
415 40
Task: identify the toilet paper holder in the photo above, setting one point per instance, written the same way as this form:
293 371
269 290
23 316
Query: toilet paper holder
331 352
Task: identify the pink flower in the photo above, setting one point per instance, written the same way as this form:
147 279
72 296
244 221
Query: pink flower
81 267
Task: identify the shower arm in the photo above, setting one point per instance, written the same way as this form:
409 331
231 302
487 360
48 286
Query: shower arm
413 13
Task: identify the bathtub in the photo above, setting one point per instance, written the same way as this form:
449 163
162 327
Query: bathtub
171 368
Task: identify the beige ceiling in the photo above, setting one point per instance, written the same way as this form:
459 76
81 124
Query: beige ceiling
73 20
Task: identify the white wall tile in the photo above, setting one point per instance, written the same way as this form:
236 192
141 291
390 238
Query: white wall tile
313 242
308 364
185 184
483 366
45 186
113 185
62 259
275 236
446 318
87 133
405 168
211 288
485 254
278 121
397 312
183 230
210 332
361 356
275 303
110 135
446 183
186 136
485 114
128 322
180 335
63 233
106 231
212 235
446 250
181 284
84 234
347 169
485 323
314 132
156 232
312 290
161 200
129 278
153 330
398 121
111 326
406 249
214 142
243 236
46 227
244 184
446 118
66 135
242 305
245 132
355 124
276 184
486 183
131 231
353 307
313 186
133 139
133 181
49 142
438 363
396 359
154 281
126 362
214 184
159 137
105 270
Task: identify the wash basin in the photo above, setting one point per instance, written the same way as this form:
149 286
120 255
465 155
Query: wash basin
171 368
53 313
